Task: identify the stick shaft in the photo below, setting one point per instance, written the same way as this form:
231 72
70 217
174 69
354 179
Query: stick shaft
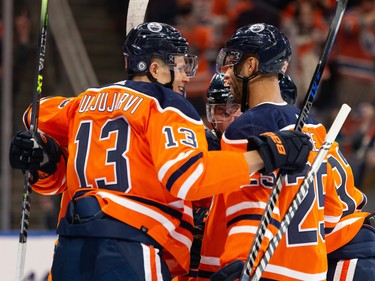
26 202
308 101
313 88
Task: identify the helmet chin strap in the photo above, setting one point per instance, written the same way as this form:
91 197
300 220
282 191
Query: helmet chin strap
244 104
151 78
245 83
168 85
218 133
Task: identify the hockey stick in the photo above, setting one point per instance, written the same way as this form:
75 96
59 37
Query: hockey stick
307 104
26 203
300 195
136 13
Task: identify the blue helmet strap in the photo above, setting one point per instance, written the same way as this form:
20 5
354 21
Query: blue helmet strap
244 104
150 77
245 83
168 85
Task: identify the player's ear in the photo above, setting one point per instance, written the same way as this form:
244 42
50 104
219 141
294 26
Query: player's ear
252 64
154 69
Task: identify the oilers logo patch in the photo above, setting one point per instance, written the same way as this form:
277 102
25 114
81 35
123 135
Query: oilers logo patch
257 27
154 27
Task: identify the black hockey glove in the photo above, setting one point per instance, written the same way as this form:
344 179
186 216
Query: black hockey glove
230 272
200 216
370 220
39 154
288 150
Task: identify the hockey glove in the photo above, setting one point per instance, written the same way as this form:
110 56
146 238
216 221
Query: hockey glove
370 220
230 272
39 154
200 215
288 150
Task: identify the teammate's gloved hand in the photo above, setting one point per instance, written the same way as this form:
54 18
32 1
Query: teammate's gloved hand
42 153
230 272
370 220
200 215
283 149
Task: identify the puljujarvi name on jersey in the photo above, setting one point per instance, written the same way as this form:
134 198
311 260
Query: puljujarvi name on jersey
105 102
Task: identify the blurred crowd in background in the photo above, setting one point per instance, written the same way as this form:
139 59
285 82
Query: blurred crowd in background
349 76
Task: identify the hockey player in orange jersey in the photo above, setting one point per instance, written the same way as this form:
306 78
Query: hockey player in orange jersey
136 156
220 116
211 252
252 60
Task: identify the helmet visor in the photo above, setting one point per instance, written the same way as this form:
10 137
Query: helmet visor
221 112
186 64
227 58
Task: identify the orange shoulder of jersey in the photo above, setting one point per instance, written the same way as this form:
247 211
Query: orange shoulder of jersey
54 117
345 230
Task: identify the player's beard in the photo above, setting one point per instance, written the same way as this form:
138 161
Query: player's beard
236 90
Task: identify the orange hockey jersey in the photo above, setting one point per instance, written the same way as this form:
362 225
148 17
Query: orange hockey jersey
301 254
141 150
213 240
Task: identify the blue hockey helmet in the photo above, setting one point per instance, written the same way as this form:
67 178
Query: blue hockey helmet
264 41
156 40
218 91
219 107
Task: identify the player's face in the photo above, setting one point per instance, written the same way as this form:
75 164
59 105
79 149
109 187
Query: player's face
236 74
220 116
180 75
234 83
222 126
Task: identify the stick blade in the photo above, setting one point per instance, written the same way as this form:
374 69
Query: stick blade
136 13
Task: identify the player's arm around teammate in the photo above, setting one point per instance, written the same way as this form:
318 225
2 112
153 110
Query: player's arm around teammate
136 158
